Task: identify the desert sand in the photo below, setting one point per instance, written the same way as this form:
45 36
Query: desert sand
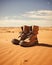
11 54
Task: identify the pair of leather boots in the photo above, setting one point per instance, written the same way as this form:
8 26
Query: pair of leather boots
28 36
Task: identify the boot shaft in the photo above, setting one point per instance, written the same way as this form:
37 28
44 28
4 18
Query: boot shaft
26 29
35 29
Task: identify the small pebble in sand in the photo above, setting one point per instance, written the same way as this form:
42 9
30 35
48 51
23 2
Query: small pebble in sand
25 60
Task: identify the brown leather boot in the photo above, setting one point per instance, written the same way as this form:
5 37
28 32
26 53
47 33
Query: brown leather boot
23 35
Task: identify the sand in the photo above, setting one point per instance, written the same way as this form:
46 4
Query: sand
11 54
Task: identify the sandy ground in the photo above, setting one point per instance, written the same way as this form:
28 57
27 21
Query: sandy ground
11 54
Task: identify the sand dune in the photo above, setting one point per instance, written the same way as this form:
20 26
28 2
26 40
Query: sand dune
11 54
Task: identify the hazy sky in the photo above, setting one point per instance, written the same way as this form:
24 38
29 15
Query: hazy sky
22 12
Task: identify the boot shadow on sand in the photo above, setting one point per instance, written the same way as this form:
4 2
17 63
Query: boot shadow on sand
30 33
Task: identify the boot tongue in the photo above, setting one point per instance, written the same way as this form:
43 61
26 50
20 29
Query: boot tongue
26 29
